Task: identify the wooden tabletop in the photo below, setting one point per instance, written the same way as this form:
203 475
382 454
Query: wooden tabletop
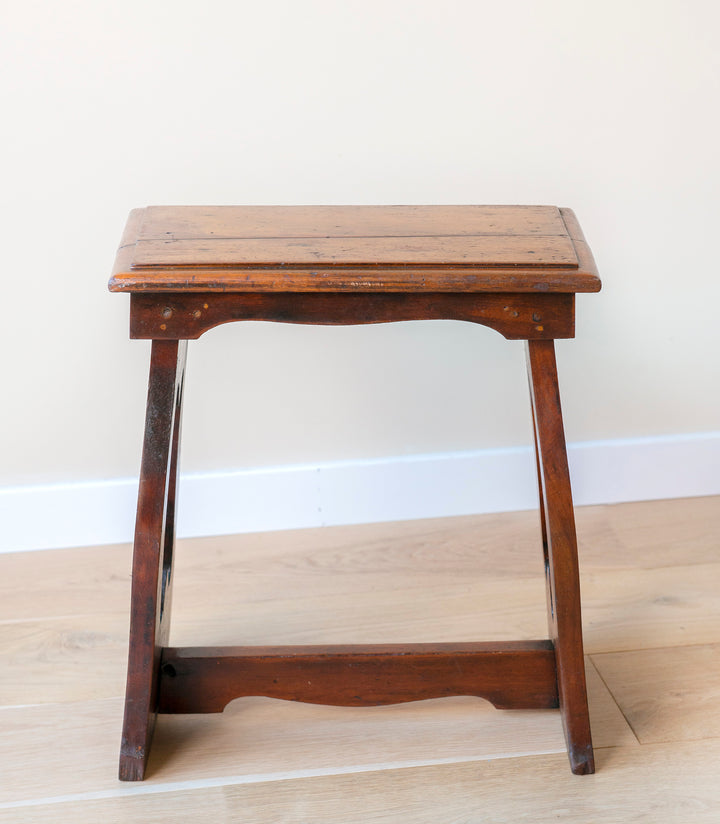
353 248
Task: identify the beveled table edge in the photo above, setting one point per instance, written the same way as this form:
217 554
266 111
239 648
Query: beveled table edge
365 279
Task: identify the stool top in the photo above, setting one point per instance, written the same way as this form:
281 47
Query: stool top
353 249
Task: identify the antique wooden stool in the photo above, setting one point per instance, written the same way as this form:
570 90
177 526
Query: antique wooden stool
515 269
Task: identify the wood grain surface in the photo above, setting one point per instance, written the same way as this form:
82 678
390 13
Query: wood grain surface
188 315
514 675
354 248
193 222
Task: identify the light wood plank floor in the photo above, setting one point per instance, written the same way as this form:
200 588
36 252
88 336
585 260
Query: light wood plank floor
651 590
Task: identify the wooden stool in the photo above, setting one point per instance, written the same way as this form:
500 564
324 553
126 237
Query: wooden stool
513 268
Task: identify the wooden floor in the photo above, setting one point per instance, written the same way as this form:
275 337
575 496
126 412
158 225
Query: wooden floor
651 590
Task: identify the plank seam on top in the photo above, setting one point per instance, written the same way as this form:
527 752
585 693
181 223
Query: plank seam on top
321 269
339 252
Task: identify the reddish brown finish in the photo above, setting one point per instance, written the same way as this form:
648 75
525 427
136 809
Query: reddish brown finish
354 249
560 545
272 222
512 676
153 554
516 316
189 269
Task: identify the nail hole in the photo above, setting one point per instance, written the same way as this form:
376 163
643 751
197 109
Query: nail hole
169 670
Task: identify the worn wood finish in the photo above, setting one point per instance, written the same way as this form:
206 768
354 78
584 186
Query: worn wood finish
361 253
560 546
517 316
355 249
515 269
153 554
514 675
188 222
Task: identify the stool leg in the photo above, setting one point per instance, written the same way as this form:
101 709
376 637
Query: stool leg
153 553
543 525
558 522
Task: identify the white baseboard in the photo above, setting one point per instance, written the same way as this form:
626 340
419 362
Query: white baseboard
386 489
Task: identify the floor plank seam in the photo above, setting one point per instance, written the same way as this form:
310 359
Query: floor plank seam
64 678
590 569
123 790
661 741
653 649
610 693
70 616
49 704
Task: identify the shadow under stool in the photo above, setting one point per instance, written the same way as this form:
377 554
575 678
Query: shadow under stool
515 269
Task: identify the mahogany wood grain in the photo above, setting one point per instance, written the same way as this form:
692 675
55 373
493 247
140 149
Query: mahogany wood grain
153 554
350 248
515 269
379 279
360 252
514 675
183 222
517 316
585 257
561 553
541 501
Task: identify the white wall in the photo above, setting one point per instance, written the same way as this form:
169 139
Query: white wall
610 108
